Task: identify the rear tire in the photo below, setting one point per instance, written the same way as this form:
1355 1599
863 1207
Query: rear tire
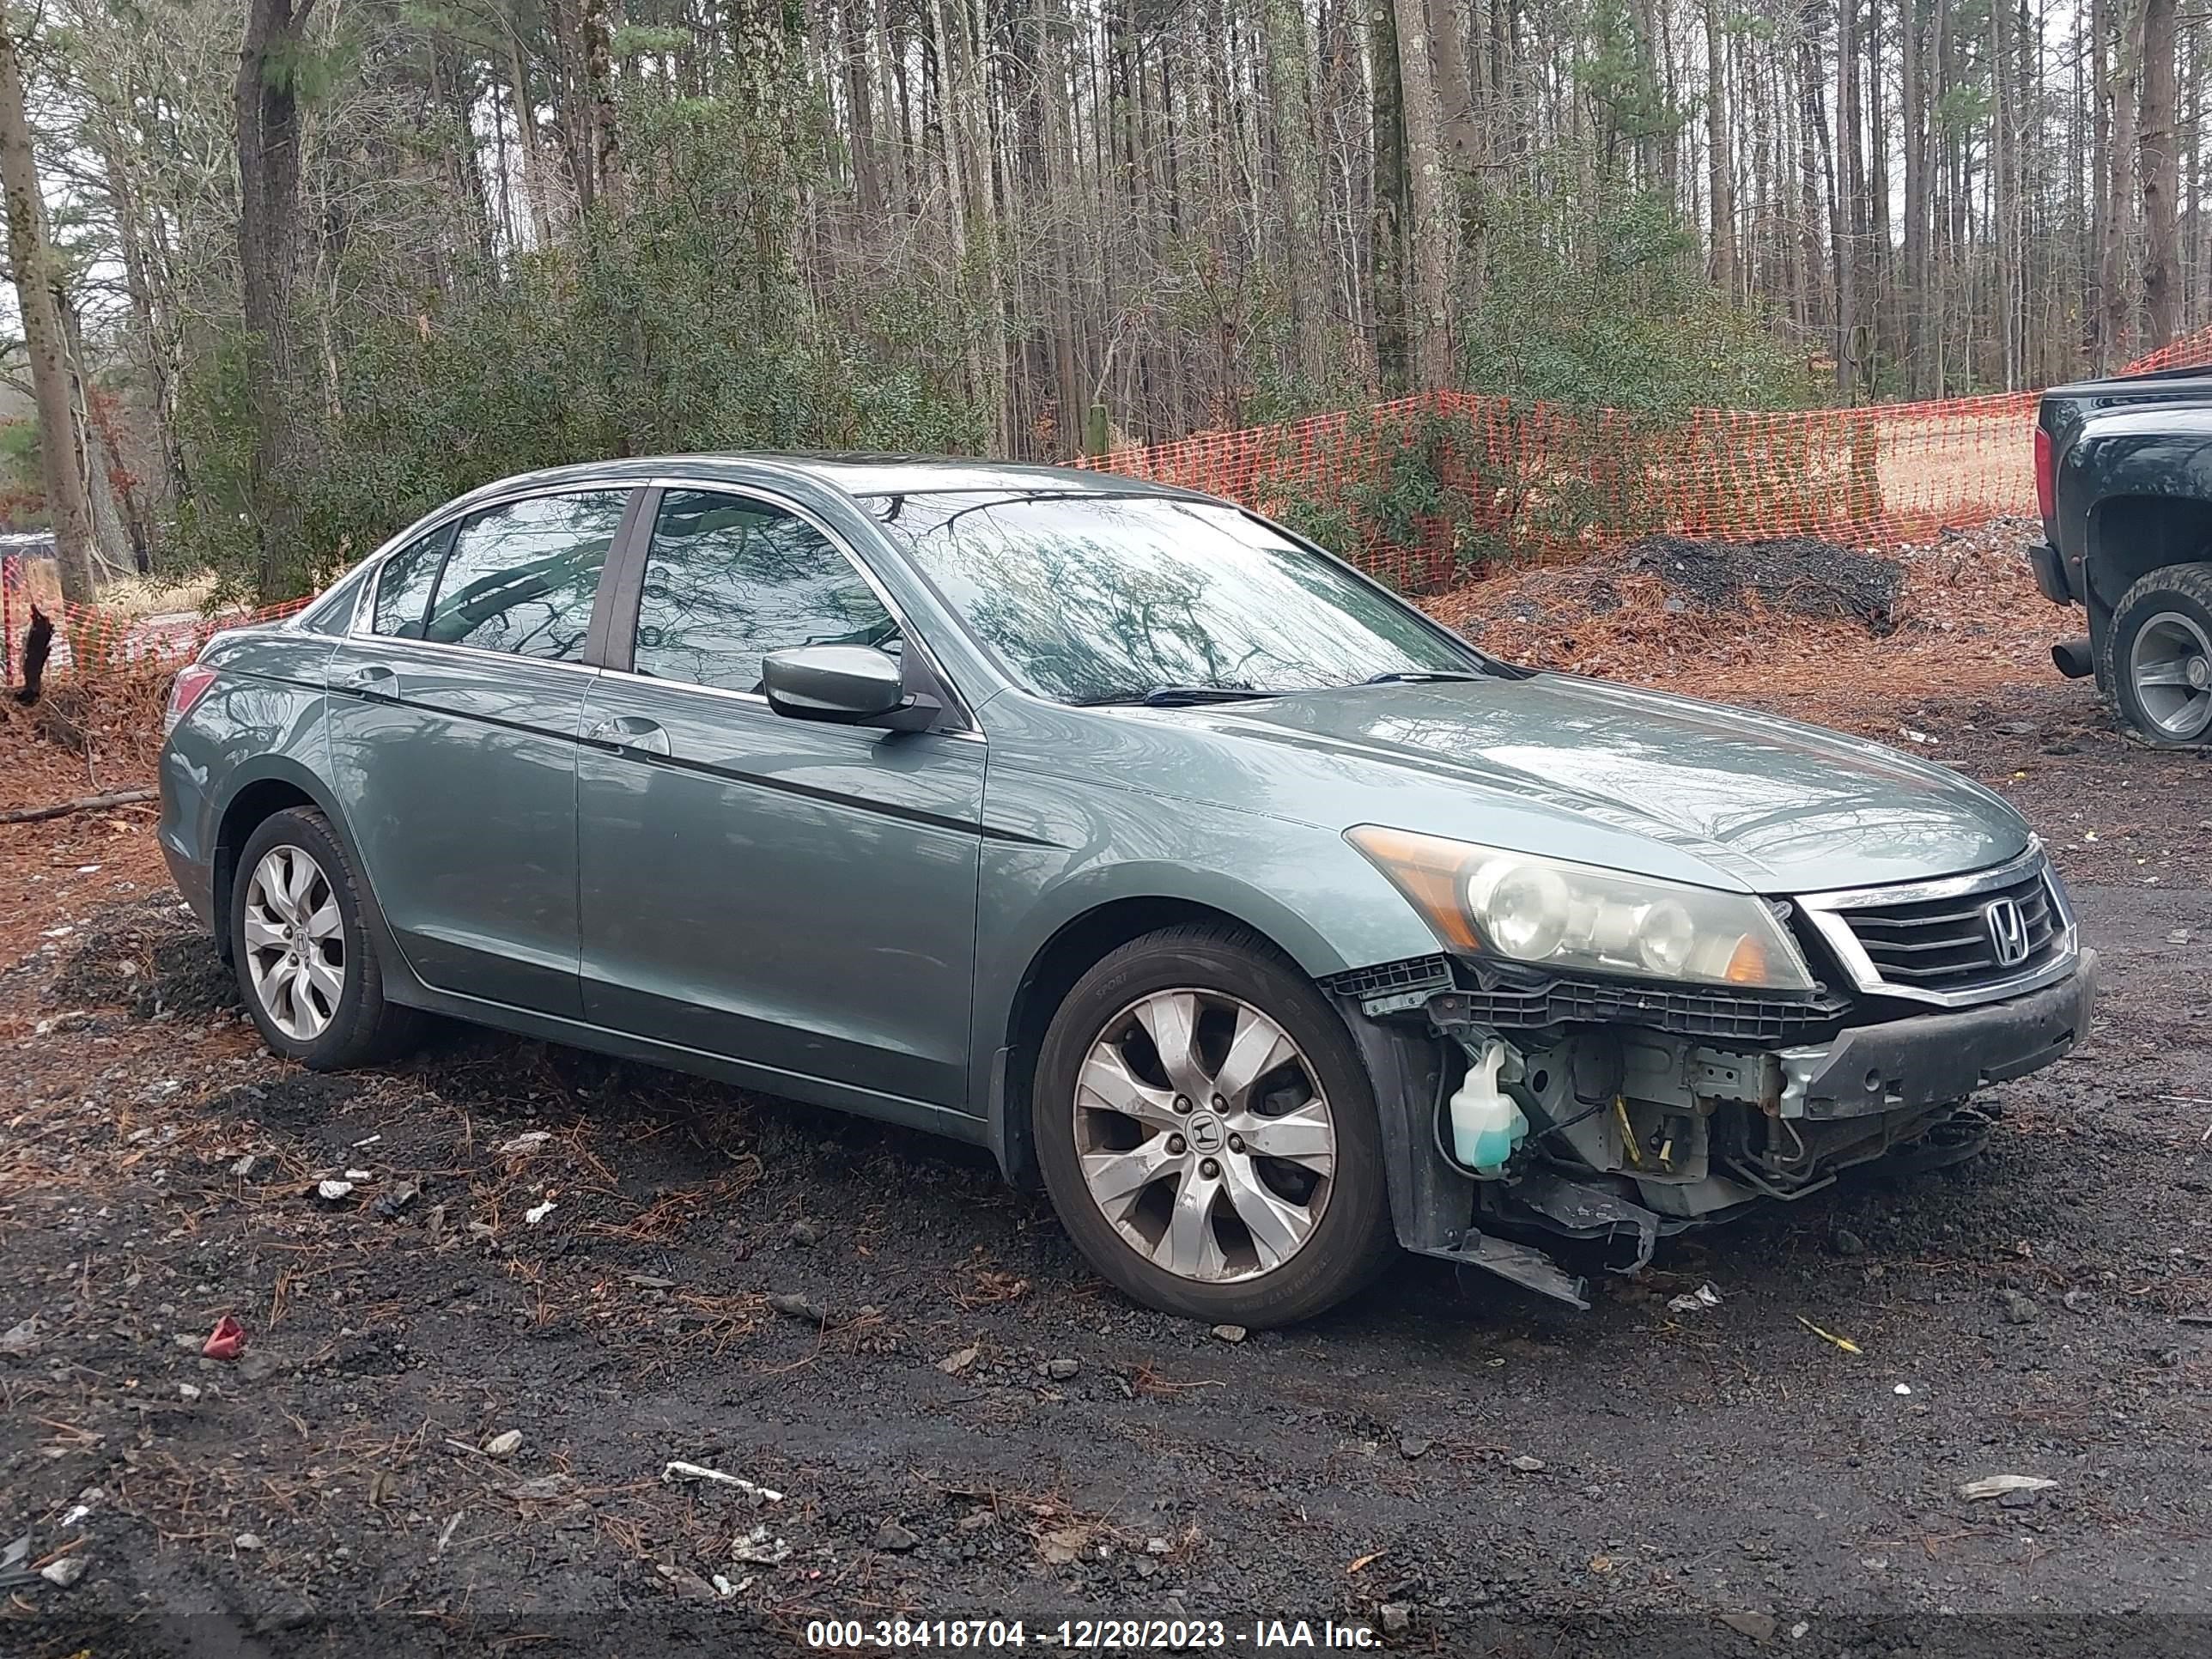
307 965
2157 656
1246 1098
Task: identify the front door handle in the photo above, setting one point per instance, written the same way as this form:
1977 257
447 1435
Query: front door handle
367 676
631 732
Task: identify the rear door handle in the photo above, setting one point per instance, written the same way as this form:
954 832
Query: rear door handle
367 676
631 732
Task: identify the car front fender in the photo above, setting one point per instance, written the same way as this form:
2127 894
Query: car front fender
1079 869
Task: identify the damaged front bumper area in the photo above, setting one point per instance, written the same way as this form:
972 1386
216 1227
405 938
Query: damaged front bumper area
1649 1111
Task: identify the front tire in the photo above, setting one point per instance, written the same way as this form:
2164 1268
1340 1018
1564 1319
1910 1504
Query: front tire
306 966
2159 655
1208 1134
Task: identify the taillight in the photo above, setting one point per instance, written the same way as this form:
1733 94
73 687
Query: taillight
191 684
2046 475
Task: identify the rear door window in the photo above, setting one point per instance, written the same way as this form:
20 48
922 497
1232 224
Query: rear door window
522 577
729 579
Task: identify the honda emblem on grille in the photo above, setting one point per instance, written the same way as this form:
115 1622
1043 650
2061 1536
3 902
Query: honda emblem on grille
2007 926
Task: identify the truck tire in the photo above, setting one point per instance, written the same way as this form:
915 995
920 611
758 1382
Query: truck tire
2158 656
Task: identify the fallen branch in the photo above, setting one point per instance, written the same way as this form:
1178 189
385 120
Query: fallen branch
83 804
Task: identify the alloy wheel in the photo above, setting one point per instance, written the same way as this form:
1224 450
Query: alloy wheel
2170 668
1204 1135
294 943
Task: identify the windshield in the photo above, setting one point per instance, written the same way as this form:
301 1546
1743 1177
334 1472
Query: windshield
1104 598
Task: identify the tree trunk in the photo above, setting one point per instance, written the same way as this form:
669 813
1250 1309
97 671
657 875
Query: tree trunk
1812 133
1060 189
1298 182
1465 145
1847 224
851 47
2199 266
1720 161
1387 224
151 310
572 106
1919 192
2003 164
31 258
1431 230
2162 173
1880 263
1949 199
982 176
599 77
891 136
2116 51
113 542
268 114
531 163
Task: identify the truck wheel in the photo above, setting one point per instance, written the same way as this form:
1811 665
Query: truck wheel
1208 1134
2159 649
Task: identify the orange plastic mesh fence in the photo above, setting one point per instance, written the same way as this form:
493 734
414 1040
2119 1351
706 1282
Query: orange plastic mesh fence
1423 484
1418 487
90 637
2189 351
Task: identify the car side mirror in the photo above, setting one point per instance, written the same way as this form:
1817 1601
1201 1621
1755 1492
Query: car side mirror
848 685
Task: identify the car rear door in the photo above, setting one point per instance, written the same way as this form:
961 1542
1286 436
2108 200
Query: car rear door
798 896
452 720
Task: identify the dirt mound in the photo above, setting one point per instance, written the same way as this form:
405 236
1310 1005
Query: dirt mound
1792 573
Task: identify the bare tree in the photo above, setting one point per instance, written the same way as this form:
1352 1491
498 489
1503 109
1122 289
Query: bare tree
30 254
266 96
1847 222
2161 166
2118 47
1720 159
1431 227
1392 201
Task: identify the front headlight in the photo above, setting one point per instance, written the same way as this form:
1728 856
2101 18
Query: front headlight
1555 915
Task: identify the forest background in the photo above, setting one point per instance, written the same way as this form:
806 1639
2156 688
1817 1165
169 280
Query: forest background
293 272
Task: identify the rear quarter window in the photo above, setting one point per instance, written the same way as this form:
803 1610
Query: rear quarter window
333 613
404 585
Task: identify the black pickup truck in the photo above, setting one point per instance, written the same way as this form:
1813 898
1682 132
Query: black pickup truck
2123 481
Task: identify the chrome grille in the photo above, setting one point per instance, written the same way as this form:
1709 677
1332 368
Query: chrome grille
1946 944
1996 933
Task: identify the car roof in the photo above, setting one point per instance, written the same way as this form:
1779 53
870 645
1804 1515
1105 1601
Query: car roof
854 474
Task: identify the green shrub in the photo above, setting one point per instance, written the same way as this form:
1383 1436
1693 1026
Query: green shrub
679 325
1604 304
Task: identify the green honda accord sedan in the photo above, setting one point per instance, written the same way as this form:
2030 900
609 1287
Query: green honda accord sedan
1270 925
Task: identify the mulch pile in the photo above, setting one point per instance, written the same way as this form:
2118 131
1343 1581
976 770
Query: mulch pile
1820 631
1794 574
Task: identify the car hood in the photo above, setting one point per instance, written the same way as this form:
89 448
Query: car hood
1778 806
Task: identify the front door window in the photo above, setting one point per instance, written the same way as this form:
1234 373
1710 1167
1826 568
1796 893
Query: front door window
728 580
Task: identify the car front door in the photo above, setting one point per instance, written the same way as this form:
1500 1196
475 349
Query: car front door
796 896
453 723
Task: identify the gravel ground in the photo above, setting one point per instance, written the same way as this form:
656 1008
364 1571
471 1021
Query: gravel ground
619 1268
